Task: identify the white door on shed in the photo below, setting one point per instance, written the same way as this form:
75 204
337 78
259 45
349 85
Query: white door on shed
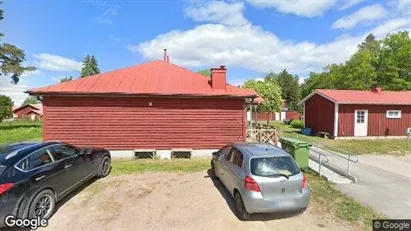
360 122
283 117
277 116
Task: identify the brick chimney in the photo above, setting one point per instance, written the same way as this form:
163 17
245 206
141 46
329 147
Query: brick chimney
377 89
218 78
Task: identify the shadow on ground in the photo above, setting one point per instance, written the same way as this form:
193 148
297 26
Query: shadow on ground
60 203
74 193
255 217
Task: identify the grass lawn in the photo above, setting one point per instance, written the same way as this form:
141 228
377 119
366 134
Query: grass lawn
379 146
153 165
326 199
11 132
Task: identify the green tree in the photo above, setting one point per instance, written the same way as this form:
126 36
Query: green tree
65 79
11 59
30 100
394 62
290 88
205 72
370 44
385 62
359 72
90 66
270 91
5 107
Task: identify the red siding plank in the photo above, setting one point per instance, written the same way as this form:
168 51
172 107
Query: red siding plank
319 114
130 123
378 124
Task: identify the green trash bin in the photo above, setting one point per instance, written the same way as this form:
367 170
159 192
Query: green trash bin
298 149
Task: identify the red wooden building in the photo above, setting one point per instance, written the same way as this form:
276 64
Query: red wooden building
351 113
29 112
155 105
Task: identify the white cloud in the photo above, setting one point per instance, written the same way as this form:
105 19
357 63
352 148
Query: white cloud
14 91
32 73
391 26
253 48
57 63
350 3
115 38
103 20
107 16
111 12
216 11
306 8
365 14
404 6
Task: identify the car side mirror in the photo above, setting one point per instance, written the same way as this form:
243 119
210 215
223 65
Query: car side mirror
84 152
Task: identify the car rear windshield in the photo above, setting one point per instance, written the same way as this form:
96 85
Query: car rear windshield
273 166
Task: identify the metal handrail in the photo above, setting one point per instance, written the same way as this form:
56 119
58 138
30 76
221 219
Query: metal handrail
321 154
346 156
320 161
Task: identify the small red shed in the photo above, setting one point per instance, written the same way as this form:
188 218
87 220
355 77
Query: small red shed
353 113
156 105
28 111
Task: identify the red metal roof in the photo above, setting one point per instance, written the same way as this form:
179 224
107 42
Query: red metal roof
38 108
151 78
364 97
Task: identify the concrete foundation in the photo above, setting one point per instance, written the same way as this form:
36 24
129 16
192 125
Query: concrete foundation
369 137
122 154
162 154
203 153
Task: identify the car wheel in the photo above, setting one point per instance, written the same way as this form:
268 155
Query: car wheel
241 211
42 205
105 167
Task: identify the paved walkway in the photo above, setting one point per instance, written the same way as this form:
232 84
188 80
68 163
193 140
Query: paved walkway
384 183
329 174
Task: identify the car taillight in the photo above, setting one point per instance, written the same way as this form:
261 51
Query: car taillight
251 185
5 187
304 182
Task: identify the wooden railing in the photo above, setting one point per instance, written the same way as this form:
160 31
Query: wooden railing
262 135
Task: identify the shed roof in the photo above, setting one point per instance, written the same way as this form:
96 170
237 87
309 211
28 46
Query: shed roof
363 97
150 78
37 108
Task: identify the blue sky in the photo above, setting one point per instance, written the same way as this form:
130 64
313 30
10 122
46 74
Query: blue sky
250 37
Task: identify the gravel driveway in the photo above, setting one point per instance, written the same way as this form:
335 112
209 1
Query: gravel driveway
170 201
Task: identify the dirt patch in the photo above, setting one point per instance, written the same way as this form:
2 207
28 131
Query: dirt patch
164 201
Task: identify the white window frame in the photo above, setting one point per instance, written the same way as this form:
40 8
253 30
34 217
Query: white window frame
398 116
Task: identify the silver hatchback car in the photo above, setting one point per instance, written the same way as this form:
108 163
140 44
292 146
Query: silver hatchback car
261 177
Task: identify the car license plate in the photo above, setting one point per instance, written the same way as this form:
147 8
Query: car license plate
286 203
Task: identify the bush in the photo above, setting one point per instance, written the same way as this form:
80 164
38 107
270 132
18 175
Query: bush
297 124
